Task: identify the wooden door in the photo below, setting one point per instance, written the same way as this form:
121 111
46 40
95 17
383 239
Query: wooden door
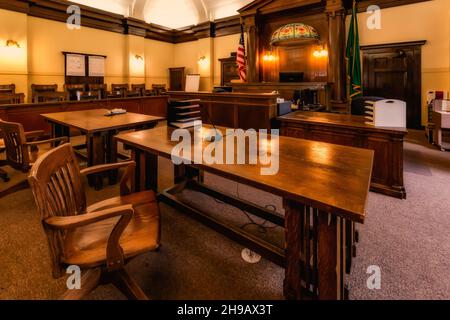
394 72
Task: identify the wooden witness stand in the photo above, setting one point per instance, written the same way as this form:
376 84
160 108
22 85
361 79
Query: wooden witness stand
324 193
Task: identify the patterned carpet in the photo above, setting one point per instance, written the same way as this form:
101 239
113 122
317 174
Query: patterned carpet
409 240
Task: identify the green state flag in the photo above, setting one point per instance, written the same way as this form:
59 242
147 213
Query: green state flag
353 56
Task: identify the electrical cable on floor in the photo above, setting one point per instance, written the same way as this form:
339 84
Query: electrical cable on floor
262 228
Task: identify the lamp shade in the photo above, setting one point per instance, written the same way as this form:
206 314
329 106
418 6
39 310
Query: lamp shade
294 34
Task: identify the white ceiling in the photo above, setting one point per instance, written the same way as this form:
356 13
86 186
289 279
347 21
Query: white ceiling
170 13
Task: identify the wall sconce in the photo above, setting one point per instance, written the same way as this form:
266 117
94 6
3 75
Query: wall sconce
320 53
269 56
138 57
12 43
202 61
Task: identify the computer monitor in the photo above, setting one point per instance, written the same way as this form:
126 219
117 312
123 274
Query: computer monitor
291 76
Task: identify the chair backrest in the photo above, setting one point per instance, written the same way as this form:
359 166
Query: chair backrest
17 155
7 88
123 88
72 90
50 97
36 89
139 88
159 89
359 104
58 191
100 89
11 98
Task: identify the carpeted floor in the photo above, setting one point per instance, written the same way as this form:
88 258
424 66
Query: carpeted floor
409 240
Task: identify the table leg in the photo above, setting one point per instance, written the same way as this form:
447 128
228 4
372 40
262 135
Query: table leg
146 173
111 156
96 156
317 253
59 131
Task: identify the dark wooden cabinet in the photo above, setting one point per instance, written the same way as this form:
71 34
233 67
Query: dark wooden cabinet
228 70
177 79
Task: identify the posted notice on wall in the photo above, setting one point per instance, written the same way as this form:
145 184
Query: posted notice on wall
75 65
96 66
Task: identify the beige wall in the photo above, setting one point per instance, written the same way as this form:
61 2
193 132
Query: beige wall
422 21
188 54
13 61
40 59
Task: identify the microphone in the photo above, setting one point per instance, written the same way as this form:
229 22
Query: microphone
217 136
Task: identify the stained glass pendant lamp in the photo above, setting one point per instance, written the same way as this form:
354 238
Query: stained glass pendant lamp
294 34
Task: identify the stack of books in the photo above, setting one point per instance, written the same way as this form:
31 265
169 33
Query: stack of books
184 113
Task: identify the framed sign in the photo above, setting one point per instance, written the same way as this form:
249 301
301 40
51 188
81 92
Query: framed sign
96 66
75 65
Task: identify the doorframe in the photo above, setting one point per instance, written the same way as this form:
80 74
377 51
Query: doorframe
417 68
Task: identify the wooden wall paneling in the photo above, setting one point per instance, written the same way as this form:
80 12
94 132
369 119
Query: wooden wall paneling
30 114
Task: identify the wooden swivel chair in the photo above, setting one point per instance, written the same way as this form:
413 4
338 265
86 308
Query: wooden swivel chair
3 174
120 89
7 88
140 88
39 89
101 238
73 89
22 150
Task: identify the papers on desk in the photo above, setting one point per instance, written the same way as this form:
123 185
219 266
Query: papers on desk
114 112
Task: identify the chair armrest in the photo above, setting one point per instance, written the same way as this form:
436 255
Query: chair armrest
34 134
115 259
73 222
107 167
129 175
37 143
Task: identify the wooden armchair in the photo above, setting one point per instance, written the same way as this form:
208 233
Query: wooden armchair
100 239
7 89
159 89
12 98
22 150
39 89
139 88
3 174
100 89
120 89
73 89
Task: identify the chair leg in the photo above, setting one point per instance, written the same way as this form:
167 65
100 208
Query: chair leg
4 175
122 280
23 185
89 281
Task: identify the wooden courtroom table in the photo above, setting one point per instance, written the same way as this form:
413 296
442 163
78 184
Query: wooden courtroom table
348 130
99 130
235 110
324 188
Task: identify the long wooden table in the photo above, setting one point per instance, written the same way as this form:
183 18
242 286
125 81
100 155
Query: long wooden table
324 188
99 130
348 130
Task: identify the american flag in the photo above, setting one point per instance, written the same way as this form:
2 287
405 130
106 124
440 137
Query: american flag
241 59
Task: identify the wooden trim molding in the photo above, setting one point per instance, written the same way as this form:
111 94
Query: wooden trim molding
99 19
395 44
383 4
